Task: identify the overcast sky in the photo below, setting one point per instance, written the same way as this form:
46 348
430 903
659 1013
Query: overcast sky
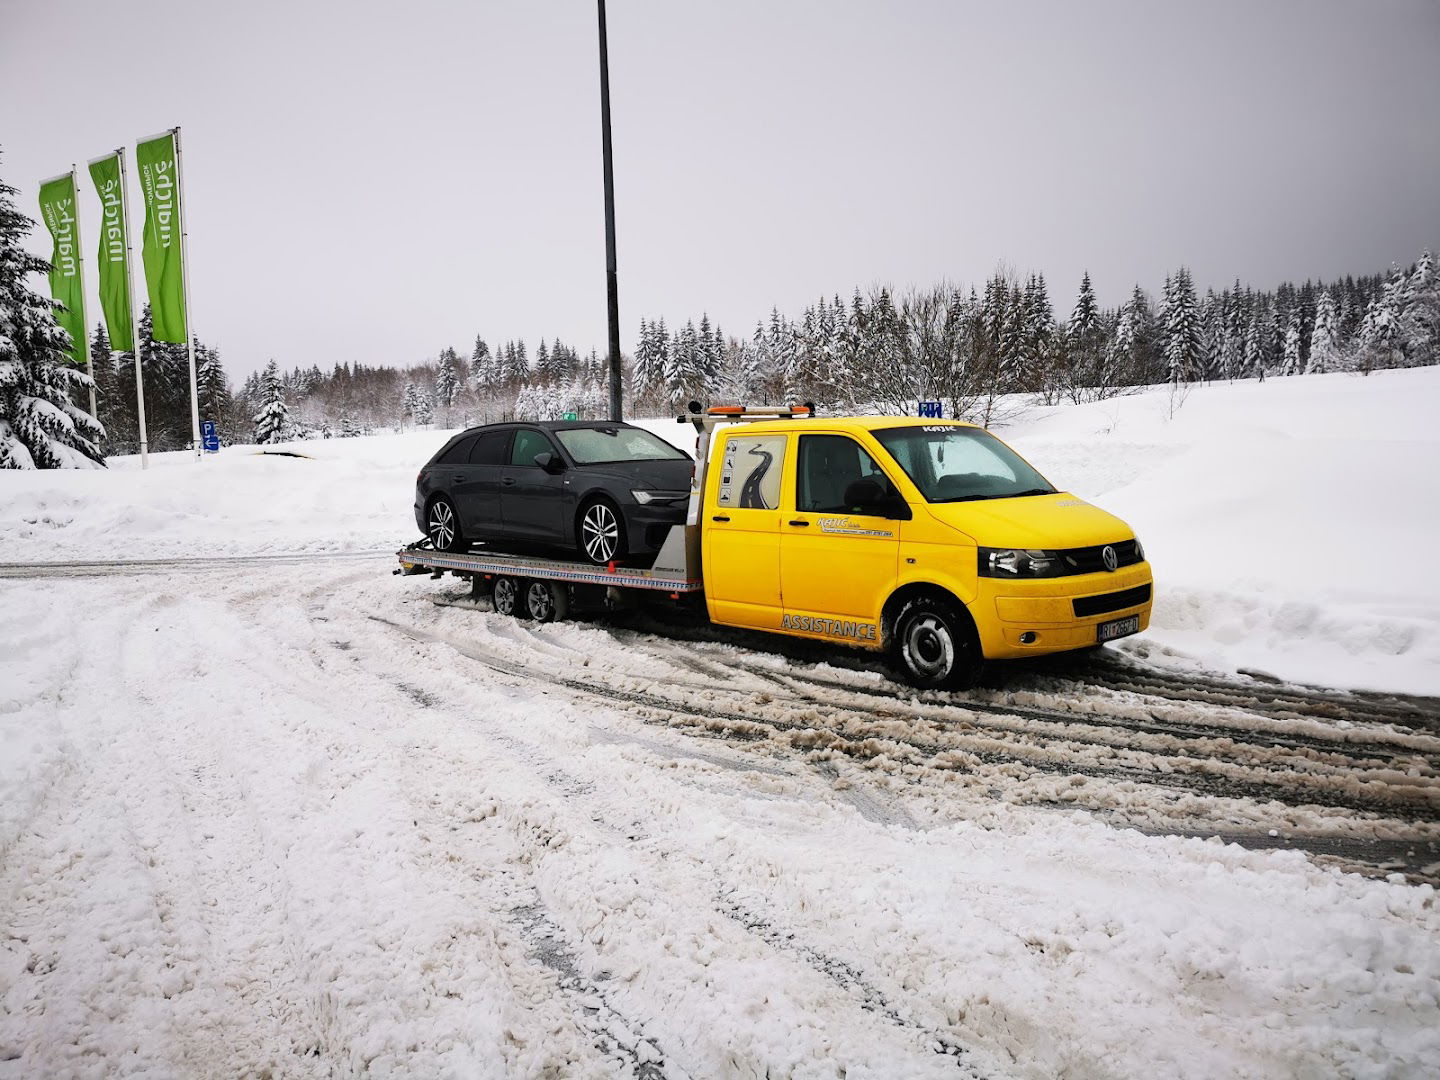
373 181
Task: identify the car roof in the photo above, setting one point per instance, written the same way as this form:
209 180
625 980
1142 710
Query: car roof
545 425
841 423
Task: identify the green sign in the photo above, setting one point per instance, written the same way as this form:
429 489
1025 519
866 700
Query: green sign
57 210
113 258
164 274
570 416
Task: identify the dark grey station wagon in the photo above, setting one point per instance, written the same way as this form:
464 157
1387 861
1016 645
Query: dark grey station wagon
603 491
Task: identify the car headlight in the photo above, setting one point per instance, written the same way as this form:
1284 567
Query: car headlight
645 498
1139 551
1018 563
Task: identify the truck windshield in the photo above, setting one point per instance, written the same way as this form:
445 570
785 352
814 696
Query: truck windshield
957 464
598 445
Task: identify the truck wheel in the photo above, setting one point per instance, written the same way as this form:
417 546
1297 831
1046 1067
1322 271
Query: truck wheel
442 525
935 646
602 532
546 602
506 596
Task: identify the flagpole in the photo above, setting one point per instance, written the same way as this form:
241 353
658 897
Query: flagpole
185 292
134 318
84 325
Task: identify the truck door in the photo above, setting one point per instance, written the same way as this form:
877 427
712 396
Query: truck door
533 501
741 520
840 548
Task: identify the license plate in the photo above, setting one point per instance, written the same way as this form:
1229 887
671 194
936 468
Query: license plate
1109 631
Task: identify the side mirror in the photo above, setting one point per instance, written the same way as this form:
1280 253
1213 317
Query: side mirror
868 497
549 462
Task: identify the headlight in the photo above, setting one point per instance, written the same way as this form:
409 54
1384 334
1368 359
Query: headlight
1016 563
645 498
1139 551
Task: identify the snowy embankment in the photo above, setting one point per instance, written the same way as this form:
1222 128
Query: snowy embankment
1289 523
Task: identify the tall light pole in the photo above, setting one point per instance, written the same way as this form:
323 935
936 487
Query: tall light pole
612 285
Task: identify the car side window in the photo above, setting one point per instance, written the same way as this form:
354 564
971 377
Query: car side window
489 448
750 472
829 464
458 454
527 444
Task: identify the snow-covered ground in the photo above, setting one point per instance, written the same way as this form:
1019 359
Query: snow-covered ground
291 818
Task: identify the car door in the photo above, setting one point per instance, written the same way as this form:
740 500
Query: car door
742 529
479 508
838 560
533 502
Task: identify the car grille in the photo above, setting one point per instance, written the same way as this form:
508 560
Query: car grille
1115 601
1088 560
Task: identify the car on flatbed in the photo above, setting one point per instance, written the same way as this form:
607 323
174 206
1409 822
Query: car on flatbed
930 539
608 492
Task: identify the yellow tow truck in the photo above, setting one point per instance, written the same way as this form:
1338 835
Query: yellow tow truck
929 539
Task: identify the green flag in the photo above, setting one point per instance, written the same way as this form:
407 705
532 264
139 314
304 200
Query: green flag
57 210
113 257
164 275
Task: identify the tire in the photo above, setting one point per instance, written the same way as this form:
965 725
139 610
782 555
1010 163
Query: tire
935 646
442 525
546 602
600 532
505 595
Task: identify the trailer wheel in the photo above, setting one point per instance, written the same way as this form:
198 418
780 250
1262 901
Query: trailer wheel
506 596
935 645
546 602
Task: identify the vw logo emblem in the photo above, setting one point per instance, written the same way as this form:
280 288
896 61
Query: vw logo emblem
1109 558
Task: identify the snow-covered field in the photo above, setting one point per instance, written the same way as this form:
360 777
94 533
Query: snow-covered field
295 817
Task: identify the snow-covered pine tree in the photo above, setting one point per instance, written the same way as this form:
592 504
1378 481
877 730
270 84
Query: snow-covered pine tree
213 387
40 425
447 379
1180 320
424 409
107 394
1420 313
273 417
1325 352
482 373
1290 361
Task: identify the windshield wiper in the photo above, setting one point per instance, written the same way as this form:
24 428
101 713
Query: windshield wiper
1028 491
1006 495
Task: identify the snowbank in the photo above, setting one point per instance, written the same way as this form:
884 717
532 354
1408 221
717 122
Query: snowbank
1289 523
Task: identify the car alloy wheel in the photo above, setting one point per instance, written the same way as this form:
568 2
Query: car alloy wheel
506 595
600 533
441 525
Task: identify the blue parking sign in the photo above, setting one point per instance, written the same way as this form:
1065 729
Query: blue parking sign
930 410
209 437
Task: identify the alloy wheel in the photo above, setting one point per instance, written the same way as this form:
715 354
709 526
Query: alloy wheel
540 601
442 526
505 596
600 533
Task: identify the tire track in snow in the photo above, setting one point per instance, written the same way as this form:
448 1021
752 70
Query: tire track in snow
1419 846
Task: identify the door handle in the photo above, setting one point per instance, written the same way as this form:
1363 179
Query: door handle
459 478
508 481
798 522
718 517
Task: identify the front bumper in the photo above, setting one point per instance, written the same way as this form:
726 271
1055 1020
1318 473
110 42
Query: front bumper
1045 608
647 526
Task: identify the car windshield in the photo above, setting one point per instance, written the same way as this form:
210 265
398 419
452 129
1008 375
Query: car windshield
958 464
598 445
